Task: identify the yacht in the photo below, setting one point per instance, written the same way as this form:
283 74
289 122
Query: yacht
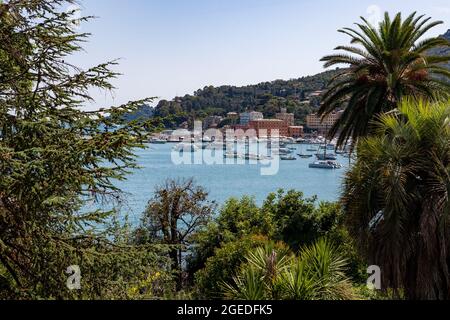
326 156
287 158
281 151
157 141
305 156
325 165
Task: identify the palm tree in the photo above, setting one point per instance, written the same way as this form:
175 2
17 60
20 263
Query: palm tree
397 199
388 63
258 277
318 273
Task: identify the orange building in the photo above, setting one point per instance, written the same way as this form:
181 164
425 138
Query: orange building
267 127
295 131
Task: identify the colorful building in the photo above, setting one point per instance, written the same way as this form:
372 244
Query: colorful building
269 127
248 117
295 131
322 126
289 118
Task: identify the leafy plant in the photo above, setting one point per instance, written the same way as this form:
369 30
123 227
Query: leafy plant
396 199
318 273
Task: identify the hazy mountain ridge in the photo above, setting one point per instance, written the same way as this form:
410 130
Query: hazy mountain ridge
443 51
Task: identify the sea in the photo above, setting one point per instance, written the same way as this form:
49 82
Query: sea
224 181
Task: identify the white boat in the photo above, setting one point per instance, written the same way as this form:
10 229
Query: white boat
281 151
157 141
288 158
325 165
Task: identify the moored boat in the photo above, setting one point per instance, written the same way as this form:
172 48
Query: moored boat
325 165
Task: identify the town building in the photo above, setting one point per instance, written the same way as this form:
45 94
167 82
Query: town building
322 126
248 117
315 94
212 122
295 131
269 127
288 118
233 115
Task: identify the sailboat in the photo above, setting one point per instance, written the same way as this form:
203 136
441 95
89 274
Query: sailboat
325 159
304 156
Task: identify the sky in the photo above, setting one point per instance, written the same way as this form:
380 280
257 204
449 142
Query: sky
170 48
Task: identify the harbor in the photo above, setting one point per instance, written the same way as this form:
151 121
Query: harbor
236 178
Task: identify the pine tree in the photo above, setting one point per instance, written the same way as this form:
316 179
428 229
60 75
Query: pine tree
55 158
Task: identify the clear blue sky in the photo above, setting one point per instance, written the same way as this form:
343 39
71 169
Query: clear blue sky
170 48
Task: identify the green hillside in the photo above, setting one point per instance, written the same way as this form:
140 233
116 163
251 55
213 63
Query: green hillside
267 97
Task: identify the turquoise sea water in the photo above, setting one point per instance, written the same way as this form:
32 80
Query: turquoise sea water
225 181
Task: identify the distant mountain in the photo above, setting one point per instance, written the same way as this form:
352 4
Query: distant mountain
143 112
443 51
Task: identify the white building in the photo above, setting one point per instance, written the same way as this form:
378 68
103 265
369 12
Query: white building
247 117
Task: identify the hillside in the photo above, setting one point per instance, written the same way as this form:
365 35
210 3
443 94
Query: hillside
267 97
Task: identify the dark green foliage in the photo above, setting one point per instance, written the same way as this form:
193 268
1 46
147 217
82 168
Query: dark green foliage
219 249
221 266
299 221
54 158
271 272
237 219
396 200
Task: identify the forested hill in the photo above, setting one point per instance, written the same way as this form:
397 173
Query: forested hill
267 97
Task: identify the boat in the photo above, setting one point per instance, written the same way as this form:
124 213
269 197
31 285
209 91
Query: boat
288 158
312 150
281 151
304 156
325 165
326 156
157 141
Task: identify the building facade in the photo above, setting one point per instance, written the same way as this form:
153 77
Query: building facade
289 118
248 117
269 127
322 126
295 131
